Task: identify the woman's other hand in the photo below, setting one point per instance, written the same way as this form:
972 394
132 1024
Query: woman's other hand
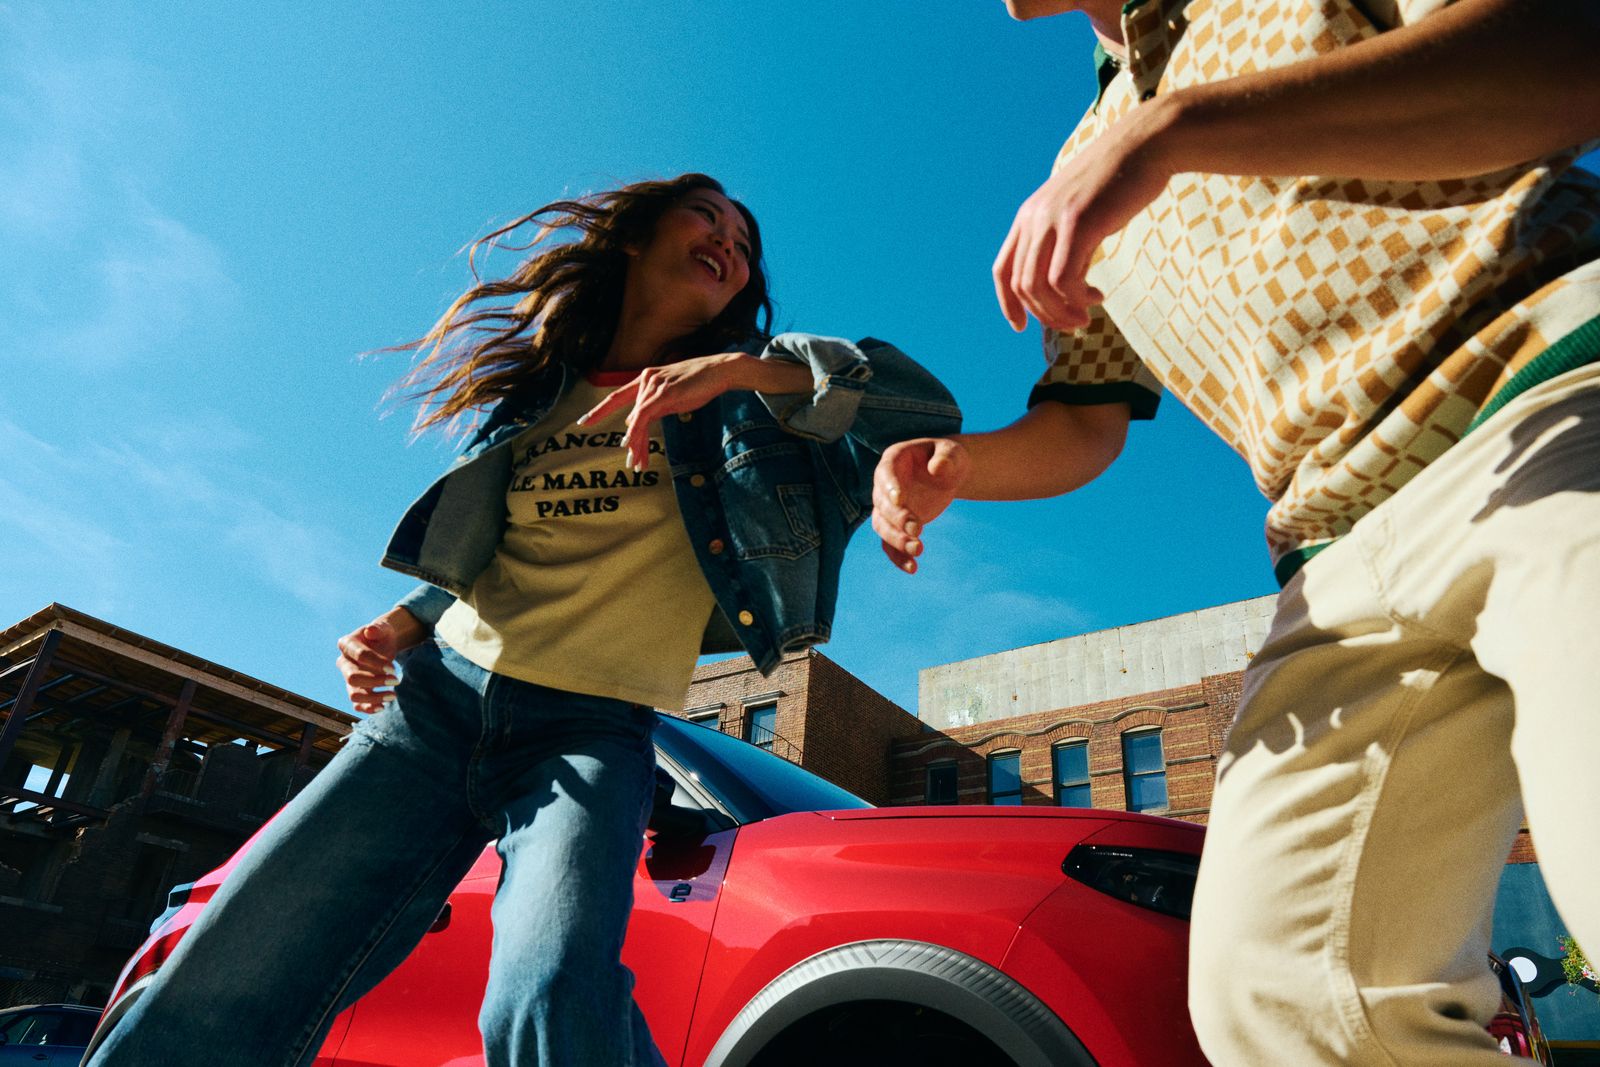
915 481
688 385
366 657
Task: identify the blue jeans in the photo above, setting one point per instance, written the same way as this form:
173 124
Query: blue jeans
344 882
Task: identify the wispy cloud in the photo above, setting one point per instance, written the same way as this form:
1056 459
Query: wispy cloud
32 466
99 520
147 287
966 600
97 272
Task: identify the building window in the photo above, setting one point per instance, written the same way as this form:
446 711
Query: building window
761 725
1072 775
1144 770
942 783
1005 778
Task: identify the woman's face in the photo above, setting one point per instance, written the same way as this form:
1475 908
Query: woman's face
699 254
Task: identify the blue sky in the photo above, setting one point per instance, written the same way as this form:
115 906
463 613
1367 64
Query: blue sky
208 211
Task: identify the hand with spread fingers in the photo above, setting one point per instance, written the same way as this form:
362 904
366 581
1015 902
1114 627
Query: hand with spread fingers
1043 265
915 481
666 390
687 385
366 657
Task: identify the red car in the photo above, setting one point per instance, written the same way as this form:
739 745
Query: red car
779 919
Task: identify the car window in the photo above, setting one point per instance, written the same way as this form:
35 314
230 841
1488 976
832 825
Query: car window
27 1028
15 1026
47 1029
30 1028
76 1028
752 783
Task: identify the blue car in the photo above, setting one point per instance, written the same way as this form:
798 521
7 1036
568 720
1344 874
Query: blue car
45 1035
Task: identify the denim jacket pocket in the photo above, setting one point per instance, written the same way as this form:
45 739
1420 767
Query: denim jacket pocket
761 530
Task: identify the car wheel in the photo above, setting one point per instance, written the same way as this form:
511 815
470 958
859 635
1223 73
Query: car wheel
876 1032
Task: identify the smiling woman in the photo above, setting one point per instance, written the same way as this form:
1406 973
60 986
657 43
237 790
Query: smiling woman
566 303
575 560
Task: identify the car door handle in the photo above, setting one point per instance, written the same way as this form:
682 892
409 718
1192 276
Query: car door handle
442 921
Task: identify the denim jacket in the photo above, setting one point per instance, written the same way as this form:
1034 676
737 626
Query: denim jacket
770 487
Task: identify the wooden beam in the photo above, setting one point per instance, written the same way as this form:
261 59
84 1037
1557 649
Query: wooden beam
308 737
60 770
169 738
45 688
70 701
165 699
30 687
210 681
15 668
13 795
215 718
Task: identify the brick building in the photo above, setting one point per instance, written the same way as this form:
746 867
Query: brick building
810 711
1127 718
126 767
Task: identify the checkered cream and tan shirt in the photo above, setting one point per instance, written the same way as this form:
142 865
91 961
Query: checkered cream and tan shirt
1338 333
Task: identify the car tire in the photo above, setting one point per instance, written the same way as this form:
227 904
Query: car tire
987 1000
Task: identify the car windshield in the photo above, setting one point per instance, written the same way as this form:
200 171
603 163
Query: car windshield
751 783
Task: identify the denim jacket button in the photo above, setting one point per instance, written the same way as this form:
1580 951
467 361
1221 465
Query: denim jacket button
697 480
716 546
746 619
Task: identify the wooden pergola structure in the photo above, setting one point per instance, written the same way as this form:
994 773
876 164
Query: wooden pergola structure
61 668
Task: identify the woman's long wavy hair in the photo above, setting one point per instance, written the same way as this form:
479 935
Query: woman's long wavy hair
562 304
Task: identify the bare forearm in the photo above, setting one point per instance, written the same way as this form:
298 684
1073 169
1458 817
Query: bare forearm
1053 449
1481 85
408 630
770 375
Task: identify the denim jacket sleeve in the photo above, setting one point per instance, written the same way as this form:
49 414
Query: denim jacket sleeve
868 390
427 602
839 373
869 395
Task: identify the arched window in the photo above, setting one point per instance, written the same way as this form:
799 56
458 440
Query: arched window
1005 778
1144 770
1071 763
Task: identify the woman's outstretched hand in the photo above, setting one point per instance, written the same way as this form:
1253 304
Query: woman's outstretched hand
915 481
689 384
366 657
666 390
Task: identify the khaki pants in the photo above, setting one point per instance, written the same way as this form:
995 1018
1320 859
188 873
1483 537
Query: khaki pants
1426 678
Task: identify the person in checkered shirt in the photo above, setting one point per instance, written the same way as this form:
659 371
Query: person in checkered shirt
1349 236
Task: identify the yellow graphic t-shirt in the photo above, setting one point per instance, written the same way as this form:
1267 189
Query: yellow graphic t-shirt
594 588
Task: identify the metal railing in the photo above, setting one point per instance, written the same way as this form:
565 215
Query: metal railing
764 737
